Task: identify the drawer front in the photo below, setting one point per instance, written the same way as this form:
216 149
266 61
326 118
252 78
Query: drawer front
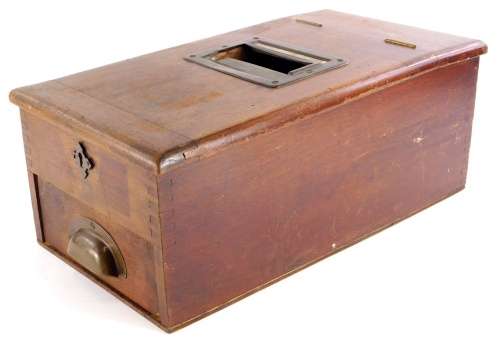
58 208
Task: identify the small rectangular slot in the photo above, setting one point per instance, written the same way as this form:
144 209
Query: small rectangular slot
251 55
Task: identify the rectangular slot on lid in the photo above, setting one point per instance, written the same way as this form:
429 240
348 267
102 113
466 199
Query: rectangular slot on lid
266 62
259 57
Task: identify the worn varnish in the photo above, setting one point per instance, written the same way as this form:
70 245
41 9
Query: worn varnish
214 187
262 209
155 122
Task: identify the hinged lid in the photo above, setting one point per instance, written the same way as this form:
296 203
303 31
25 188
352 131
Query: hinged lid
158 110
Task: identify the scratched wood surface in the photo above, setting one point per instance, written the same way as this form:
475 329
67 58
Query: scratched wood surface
240 219
167 105
217 187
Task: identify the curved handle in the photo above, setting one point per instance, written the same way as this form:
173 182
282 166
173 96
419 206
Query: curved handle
92 247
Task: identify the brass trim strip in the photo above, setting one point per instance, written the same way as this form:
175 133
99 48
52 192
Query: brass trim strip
397 42
308 22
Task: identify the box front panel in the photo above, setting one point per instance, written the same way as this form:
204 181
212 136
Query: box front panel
116 195
58 209
245 217
112 186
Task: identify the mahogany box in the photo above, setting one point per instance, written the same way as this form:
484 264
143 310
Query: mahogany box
184 180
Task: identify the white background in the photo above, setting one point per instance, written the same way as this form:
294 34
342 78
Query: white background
433 277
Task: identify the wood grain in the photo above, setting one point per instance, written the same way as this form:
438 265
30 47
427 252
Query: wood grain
168 106
122 193
214 187
113 186
131 304
35 203
275 203
58 208
160 281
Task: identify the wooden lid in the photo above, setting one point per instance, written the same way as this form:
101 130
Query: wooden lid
158 110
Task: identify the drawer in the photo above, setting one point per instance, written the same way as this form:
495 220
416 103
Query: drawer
57 209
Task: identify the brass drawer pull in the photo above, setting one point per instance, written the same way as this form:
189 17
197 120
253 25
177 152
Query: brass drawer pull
92 247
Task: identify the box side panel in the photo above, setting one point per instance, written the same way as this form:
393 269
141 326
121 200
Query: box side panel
240 219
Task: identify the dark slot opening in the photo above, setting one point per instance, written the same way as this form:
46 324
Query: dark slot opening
254 56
